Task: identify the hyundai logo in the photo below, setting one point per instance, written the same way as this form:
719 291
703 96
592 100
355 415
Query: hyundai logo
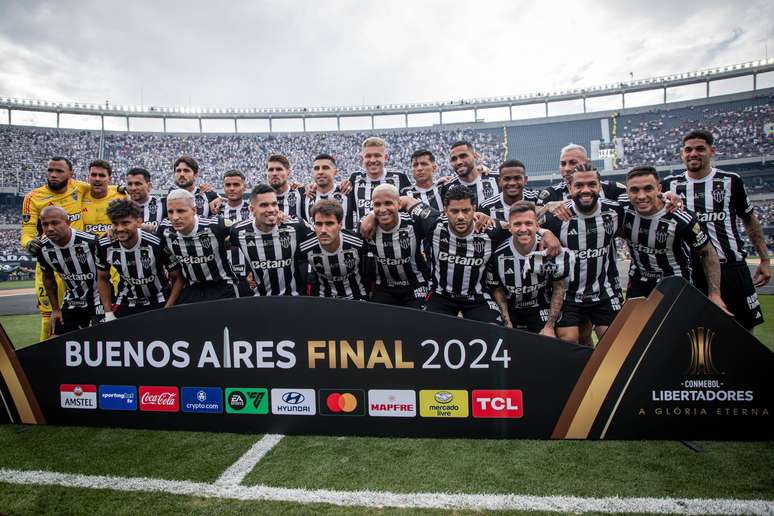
293 398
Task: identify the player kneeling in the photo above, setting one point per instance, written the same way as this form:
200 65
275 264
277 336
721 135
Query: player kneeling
528 286
138 257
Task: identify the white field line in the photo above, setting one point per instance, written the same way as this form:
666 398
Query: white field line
387 499
239 470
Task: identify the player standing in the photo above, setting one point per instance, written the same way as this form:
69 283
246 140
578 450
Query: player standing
199 245
425 189
719 200
271 248
139 186
289 201
464 161
512 182
141 262
529 287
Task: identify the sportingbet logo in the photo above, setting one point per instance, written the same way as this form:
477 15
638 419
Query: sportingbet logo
159 399
342 402
387 403
78 396
293 402
118 397
247 400
443 403
498 403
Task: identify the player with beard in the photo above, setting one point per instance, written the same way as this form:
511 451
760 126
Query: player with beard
337 256
271 247
374 156
139 187
570 157
290 201
95 203
512 182
425 189
70 253
719 200
528 286
200 246
469 174
402 272
186 172
594 292
324 174
660 243
61 189
235 209
458 255
138 257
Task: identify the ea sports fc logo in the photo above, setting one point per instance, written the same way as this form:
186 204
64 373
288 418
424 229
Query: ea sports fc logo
342 402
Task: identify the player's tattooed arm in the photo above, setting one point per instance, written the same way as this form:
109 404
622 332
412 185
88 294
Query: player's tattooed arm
499 296
559 289
711 265
754 231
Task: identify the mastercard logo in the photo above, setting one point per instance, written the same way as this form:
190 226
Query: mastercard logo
338 402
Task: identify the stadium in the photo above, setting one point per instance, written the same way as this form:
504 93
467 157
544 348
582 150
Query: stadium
61 469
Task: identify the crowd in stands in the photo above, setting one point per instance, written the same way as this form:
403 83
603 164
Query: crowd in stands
655 138
9 241
25 151
764 210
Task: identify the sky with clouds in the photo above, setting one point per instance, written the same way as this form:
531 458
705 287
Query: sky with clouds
340 52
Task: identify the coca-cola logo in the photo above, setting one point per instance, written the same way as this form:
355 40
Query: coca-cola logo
159 399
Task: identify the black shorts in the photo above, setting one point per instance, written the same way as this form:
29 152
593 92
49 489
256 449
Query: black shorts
74 319
243 288
737 291
126 311
600 313
532 320
639 288
206 291
410 297
484 311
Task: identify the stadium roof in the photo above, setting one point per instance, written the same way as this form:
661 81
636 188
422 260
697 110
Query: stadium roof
635 85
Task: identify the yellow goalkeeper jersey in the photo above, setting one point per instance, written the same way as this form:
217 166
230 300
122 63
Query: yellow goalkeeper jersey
94 212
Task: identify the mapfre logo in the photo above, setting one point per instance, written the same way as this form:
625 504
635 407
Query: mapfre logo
78 396
159 399
388 403
498 403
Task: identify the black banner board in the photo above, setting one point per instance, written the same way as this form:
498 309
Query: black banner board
672 366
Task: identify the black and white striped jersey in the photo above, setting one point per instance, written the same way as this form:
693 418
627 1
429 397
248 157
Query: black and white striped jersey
278 265
660 244
611 190
154 210
430 196
141 269
363 187
718 201
498 209
591 238
482 188
458 264
202 254
201 200
340 274
76 265
398 255
291 203
527 279
236 214
336 195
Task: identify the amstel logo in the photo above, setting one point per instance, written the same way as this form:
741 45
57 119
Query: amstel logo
701 340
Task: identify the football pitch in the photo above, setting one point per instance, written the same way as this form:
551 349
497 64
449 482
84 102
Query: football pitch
76 470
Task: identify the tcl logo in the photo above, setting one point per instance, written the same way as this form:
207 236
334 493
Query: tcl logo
159 399
497 403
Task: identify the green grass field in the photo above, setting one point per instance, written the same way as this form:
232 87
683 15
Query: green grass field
7 285
727 470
